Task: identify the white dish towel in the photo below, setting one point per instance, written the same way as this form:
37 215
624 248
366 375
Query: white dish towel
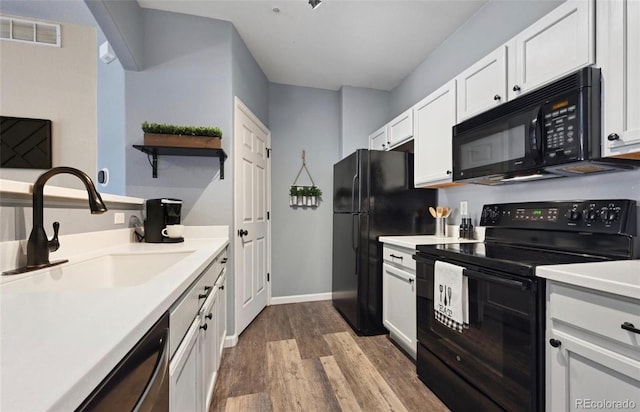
451 296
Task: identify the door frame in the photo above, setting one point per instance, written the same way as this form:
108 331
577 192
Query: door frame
238 106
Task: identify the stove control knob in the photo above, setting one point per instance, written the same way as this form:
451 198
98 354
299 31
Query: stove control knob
612 216
573 215
608 215
590 215
490 215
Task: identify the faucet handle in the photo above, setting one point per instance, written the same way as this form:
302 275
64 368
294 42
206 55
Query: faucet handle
54 244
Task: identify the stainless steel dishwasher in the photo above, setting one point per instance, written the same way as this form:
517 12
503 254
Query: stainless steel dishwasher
140 382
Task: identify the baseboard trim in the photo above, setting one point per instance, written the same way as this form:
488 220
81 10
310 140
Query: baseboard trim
230 341
281 300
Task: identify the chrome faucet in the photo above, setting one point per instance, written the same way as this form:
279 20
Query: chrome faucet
38 245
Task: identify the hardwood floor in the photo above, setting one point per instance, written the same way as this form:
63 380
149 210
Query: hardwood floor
304 357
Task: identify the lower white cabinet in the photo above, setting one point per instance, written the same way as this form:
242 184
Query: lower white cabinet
592 360
185 372
196 358
399 297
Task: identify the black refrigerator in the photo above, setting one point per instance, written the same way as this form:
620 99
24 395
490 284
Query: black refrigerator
373 196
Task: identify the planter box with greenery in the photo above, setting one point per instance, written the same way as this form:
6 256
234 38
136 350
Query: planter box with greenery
304 195
181 136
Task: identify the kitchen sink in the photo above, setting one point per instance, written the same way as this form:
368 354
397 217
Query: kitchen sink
116 270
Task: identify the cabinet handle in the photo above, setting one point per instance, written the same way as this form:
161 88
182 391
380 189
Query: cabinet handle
224 260
613 137
394 256
555 343
204 326
207 288
209 316
449 172
411 281
497 97
202 296
221 287
516 88
629 326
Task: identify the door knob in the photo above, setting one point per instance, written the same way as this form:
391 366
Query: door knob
613 137
555 343
242 232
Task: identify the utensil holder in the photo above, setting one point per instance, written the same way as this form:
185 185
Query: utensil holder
441 227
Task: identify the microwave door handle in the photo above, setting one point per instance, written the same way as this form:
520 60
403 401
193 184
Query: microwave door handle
535 137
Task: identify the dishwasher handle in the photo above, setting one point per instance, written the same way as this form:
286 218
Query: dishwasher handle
151 393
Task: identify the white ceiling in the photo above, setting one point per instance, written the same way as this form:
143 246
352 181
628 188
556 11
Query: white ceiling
373 43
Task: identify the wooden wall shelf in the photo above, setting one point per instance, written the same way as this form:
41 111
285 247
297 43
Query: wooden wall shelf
155 151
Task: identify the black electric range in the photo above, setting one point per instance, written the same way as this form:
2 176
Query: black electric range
497 363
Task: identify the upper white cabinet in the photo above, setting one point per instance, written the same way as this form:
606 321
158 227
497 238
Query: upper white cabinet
400 129
557 44
378 139
618 42
483 85
433 120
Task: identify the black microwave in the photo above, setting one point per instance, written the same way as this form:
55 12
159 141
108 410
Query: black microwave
550 132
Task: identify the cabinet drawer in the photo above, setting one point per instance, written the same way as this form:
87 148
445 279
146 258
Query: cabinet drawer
400 256
595 312
187 307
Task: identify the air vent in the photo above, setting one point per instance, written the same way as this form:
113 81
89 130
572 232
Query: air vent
26 31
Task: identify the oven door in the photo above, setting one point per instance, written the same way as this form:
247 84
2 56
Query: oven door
498 354
502 147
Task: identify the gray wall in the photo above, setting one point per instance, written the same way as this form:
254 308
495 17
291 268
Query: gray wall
111 125
491 26
361 112
302 118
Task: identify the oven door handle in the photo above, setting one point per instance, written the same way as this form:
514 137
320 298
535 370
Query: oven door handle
522 284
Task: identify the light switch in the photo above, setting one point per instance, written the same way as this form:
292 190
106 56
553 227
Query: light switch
118 218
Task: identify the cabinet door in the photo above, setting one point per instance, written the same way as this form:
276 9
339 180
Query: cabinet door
557 44
618 40
483 85
579 372
209 349
399 306
433 120
378 139
400 129
220 311
185 373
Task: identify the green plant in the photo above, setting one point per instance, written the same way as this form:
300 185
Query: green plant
181 130
293 191
315 191
304 191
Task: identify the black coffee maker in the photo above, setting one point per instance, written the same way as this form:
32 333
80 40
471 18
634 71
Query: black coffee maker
160 213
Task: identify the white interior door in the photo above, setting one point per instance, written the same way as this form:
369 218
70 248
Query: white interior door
252 188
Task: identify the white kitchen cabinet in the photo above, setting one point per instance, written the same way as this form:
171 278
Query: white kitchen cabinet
590 357
185 372
400 129
378 139
399 297
208 345
483 85
559 43
195 339
433 120
618 44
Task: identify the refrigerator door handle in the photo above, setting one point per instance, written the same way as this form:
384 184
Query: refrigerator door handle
355 239
353 191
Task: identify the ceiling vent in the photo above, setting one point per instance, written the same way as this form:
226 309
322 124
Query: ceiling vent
27 31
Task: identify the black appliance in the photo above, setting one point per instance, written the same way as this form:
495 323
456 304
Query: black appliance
498 362
373 195
550 132
140 382
160 213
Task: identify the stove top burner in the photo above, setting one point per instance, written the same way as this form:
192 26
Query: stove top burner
505 257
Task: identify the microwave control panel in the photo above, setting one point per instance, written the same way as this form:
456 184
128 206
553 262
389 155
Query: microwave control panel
561 129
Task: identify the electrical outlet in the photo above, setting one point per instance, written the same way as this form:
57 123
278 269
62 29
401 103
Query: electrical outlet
463 208
118 218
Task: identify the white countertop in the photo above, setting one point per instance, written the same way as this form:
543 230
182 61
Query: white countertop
620 277
57 346
412 242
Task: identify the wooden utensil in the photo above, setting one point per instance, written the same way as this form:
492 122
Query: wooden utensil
447 212
439 211
432 211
